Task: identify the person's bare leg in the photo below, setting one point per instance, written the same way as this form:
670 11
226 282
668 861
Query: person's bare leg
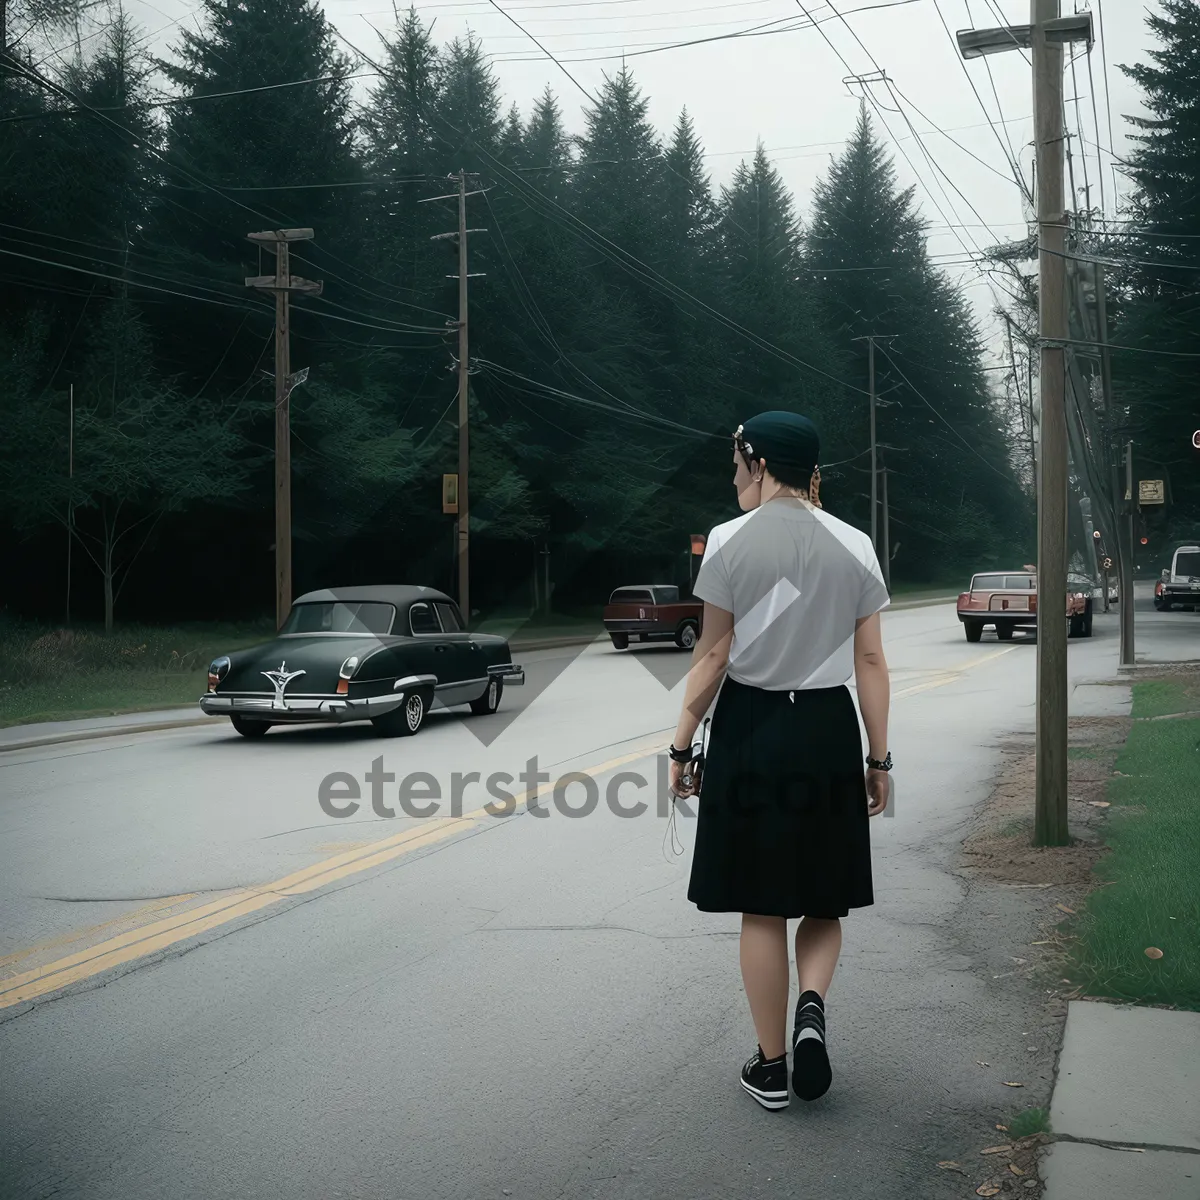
765 976
818 944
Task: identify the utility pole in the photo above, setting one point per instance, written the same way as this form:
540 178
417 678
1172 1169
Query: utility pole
873 401
1125 566
1045 36
874 467
464 450
71 488
1124 545
283 283
463 517
1050 811
887 535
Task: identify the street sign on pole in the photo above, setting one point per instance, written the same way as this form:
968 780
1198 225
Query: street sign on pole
449 493
1151 491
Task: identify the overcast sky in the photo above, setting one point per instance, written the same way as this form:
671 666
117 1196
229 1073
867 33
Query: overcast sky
785 88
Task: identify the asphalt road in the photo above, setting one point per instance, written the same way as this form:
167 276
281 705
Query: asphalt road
209 987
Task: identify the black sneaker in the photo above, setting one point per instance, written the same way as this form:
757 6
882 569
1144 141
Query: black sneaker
766 1080
811 1073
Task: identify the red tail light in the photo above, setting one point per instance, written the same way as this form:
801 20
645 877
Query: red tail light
343 687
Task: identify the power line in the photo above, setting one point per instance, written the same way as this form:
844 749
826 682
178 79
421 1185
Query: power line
543 49
920 396
1010 155
628 262
867 92
628 413
753 31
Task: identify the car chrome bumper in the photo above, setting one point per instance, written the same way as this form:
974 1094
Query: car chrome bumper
508 672
314 708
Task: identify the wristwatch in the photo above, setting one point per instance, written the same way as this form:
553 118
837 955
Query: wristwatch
884 764
680 756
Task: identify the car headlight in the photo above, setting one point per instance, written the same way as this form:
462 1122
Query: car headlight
217 670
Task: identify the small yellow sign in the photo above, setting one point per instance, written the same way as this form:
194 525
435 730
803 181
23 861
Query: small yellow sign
449 493
1151 491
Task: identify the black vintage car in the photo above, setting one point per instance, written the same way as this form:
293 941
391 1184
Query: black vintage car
379 654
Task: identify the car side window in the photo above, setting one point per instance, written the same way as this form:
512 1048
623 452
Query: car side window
1019 583
422 620
451 622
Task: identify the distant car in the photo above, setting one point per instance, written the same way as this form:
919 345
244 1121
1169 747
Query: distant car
652 612
1007 600
379 654
1180 583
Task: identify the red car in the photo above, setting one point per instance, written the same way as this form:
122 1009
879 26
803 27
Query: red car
652 612
1008 601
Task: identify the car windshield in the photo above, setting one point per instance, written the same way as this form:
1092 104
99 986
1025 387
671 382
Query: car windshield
1187 564
337 616
667 595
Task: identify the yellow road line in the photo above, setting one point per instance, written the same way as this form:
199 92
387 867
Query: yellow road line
951 674
159 935
77 935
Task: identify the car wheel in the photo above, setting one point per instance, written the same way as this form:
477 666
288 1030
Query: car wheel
686 636
974 630
490 700
620 641
248 727
1004 632
403 721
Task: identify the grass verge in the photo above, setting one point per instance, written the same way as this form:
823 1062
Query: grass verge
1150 893
51 674
1028 1122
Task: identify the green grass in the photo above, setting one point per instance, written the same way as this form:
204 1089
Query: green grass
926 591
565 624
1028 1122
1161 697
50 674
1152 875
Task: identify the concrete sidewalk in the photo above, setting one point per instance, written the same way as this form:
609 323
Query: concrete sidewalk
1126 1105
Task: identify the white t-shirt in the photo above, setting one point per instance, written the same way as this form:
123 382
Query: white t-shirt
796 580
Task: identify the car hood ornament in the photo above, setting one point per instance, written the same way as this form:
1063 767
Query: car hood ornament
280 679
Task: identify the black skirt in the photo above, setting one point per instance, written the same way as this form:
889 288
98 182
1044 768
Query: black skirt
782 825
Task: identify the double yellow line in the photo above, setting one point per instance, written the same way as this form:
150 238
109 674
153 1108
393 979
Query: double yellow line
162 934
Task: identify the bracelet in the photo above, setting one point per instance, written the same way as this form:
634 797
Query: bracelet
884 764
679 756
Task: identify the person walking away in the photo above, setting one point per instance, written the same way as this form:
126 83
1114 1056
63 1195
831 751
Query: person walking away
792 598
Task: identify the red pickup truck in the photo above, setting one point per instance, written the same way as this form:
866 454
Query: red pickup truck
652 612
1008 601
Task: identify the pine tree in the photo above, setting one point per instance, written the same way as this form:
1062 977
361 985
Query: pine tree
1155 299
952 477
620 171
468 121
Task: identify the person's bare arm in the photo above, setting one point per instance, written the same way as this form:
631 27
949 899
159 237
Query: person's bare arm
709 661
874 696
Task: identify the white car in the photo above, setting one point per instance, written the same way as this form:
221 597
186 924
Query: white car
1180 583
